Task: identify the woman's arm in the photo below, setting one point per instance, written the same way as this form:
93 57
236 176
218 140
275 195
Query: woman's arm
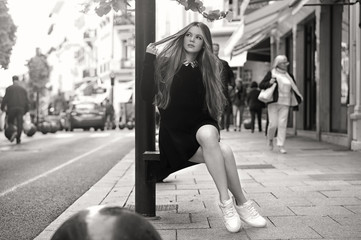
266 81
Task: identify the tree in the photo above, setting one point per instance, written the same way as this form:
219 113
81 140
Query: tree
7 34
103 7
39 72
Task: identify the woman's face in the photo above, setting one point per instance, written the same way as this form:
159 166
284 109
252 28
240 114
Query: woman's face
283 65
193 40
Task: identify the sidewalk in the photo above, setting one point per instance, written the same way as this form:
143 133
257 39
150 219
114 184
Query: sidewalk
312 192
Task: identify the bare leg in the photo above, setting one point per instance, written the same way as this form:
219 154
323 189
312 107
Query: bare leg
220 163
234 183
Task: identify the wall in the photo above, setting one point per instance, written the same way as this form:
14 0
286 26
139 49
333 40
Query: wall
258 69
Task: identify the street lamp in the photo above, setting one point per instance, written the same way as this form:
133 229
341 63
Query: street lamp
112 77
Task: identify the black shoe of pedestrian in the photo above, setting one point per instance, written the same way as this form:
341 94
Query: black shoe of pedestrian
18 141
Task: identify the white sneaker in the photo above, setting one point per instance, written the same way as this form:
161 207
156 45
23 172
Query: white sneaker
230 216
283 150
250 215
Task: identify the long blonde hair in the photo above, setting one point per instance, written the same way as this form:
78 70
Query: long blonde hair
170 60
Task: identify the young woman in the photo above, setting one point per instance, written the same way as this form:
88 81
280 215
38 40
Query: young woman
286 95
184 82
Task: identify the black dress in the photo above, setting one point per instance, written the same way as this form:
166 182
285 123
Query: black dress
184 115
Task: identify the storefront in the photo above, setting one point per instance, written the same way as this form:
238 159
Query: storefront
322 41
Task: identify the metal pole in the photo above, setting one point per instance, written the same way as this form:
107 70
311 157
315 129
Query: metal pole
144 112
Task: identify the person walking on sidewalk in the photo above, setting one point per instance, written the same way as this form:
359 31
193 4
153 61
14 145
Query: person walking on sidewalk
184 81
285 95
238 104
227 77
17 104
255 106
109 114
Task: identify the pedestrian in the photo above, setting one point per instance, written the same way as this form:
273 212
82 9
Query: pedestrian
255 106
285 95
227 77
16 103
184 81
109 114
238 104
106 222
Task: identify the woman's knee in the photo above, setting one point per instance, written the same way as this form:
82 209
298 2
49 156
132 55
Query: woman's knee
207 134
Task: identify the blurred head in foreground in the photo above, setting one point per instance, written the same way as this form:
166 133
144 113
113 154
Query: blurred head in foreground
106 223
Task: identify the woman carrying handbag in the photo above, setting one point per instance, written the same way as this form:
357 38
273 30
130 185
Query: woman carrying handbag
285 95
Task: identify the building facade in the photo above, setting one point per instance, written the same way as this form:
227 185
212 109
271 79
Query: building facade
322 41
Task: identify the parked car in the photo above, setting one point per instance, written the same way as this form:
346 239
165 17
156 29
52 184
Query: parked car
85 115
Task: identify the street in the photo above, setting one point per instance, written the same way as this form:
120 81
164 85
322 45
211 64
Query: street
46 173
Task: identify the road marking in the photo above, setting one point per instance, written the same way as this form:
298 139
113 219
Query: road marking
131 134
56 168
64 135
95 135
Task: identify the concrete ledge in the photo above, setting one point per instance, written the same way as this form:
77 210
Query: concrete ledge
309 134
356 145
340 139
335 138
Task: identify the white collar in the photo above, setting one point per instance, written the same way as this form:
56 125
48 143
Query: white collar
193 63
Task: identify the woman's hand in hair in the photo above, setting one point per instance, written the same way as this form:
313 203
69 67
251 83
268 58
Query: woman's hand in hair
151 48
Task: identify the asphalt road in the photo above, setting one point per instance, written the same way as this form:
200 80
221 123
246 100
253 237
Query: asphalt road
45 174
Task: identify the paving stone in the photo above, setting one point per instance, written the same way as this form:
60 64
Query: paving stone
336 201
292 201
165 186
276 211
347 220
317 188
265 189
194 186
285 183
176 192
320 210
168 234
282 233
306 221
180 221
217 234
343 193
291 194
342 232
191 206
166 199
328 183
354 208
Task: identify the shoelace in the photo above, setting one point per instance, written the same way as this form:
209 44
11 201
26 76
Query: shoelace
252 210
229 211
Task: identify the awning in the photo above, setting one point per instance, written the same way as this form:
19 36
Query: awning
257 26
237 61
261 52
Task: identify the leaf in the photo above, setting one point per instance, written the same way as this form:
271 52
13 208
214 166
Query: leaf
103 9
229 16
120 5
